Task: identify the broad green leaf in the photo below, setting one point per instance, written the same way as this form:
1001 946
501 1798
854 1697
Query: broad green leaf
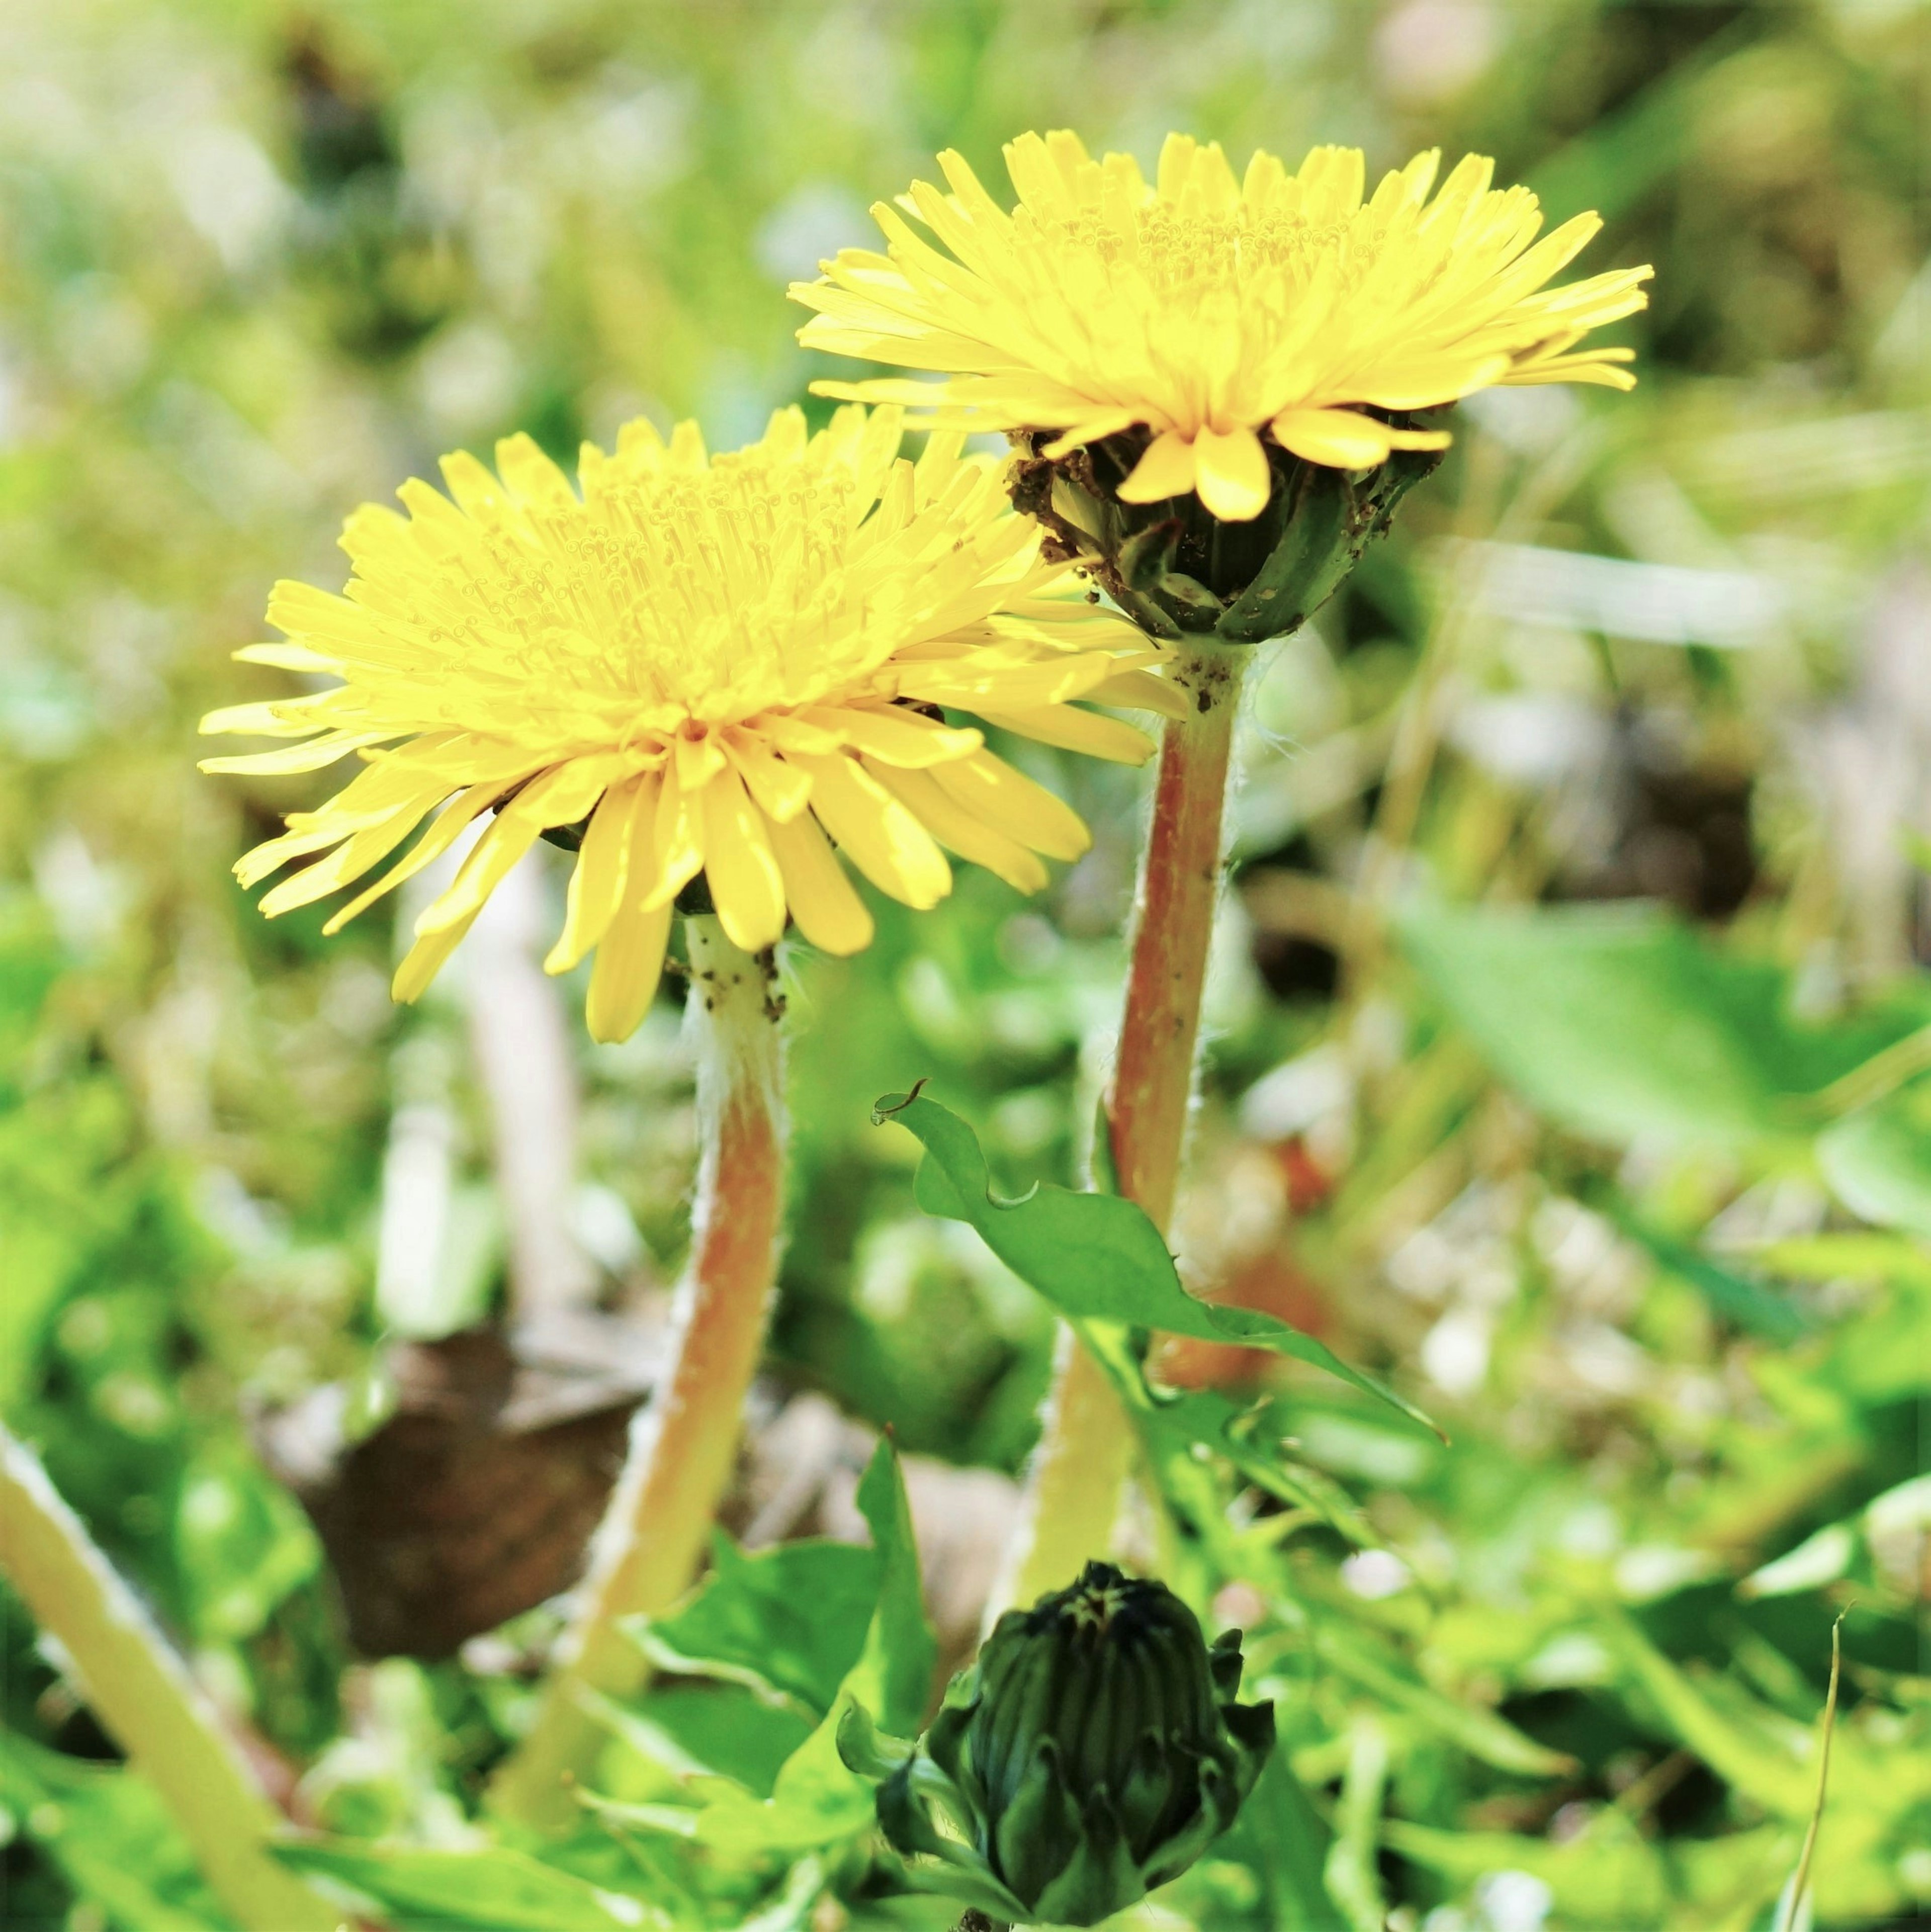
1622 1024
489 1887
1877 1160
793 1618
712 1730
816 1799
1094 1257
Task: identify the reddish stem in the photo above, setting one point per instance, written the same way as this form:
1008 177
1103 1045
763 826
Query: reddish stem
654 1534
1074 1485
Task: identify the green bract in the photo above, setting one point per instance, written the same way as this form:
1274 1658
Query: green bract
1176 570
1093 1751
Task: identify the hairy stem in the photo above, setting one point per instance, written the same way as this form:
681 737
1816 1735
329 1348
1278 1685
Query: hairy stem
1073 1488
142 1693
682 1450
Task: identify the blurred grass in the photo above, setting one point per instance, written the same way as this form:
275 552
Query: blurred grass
257 265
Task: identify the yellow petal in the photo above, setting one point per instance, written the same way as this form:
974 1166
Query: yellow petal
740 868
676 854
699 761
1142 691
626 811
630 962
781 792
349 860
531 475
1341 438
1074 729
895 735
558 797
995 795
269 720
425 959
880 836
956 829
504 841
828 911
287 657
1421 386
433 843
1166 469
311 756
1230 473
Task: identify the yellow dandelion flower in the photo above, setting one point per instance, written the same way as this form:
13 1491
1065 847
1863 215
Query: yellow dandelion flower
1216 311
729 666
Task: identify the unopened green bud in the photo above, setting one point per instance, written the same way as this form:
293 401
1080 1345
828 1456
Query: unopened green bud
1177 570
1093 1752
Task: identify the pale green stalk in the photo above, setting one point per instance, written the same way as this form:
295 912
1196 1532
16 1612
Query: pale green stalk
144 1697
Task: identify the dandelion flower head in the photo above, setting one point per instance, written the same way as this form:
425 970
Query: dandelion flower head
1216 311
727 665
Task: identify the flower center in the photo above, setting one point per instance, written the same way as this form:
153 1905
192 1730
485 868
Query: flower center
1193 258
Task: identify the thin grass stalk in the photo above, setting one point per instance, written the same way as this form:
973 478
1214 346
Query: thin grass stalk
1074 1485
654 1534
143 1694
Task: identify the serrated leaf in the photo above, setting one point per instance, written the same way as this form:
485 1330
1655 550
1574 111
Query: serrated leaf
1094 1257
1176 1425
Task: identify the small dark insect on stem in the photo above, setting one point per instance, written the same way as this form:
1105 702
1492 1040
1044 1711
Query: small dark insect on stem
973 1920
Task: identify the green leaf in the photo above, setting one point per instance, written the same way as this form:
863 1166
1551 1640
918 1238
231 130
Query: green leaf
900 1650
242 1542
488 1887
792 1619
1608 1876
722 1729
1280 1833
1481 1733
1094 1257
1621 1023
1877 1160
1749 1747
107 1831
1175 1425
1756 1309
817 1799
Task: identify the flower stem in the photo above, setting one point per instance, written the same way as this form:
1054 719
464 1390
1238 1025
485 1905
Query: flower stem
682 1450
1073 1488
145 1697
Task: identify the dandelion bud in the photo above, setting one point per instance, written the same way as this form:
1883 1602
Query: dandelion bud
1093 1752
1174 567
